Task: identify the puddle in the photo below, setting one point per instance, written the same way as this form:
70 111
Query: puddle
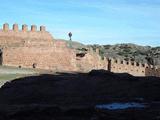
117 106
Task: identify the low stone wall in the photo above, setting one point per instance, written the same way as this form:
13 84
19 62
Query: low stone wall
134 68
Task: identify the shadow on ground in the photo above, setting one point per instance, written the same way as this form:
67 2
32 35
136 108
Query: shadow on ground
67 96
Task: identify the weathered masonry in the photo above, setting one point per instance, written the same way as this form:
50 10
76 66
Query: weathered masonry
36 48
132 67
33 48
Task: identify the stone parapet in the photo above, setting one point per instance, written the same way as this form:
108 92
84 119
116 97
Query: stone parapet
24 37
24 28
134 68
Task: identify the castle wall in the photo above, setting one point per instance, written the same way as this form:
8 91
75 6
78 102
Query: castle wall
53 58
158 72
37 49
132 68
152 71
43 58
33 48
58 43
91 61
24 37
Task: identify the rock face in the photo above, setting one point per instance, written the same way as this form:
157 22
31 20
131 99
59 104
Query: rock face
38 49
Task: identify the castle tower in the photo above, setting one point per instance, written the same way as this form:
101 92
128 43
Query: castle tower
24 28
6 27
33 28
15 27
42 28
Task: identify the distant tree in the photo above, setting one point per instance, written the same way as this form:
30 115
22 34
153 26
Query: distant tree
102 52
70 39
70 35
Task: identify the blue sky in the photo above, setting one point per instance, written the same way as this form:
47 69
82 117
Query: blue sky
90 21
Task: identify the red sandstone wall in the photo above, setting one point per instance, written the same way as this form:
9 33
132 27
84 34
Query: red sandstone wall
133 68
45 57
25 48
54 58
24 37
152 71
59 43
20 38
119 66
90 61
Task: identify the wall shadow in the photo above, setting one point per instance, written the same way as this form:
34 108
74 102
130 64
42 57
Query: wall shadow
95 87
74 95
1 59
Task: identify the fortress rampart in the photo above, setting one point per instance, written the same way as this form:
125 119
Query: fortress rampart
15 28
39 57
24 37
32 48
36 48
132 67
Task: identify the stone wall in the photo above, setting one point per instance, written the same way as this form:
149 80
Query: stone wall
37 49
24 37
52 58
90 61
42 57
152 71
133 68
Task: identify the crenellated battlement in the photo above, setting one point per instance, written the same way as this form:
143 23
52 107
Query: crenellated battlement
130 63
24 36
134 68
27 46
24 28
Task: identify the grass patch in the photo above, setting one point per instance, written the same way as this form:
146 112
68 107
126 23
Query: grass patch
9 77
